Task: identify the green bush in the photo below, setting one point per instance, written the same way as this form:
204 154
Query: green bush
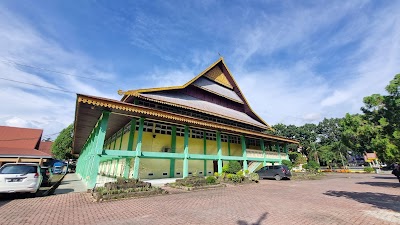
225 168
233 167
216 174
369 169
287 163
240 173
235 178
229 176
191 181
211 180
311 166
254 177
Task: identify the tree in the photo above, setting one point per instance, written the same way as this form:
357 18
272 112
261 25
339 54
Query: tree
62 146
378 129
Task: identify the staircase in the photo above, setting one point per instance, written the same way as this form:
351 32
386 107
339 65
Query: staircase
253 166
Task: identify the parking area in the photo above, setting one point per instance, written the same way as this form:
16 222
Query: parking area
336 199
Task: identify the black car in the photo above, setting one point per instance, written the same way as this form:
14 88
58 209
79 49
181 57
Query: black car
277 172
45 171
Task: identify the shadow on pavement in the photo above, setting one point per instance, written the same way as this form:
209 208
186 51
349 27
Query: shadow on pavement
379 200
262 217
386 177
381 184
63 191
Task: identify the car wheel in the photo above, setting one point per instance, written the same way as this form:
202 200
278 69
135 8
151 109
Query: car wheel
277 177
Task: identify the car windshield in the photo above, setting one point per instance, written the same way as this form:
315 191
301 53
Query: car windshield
18 169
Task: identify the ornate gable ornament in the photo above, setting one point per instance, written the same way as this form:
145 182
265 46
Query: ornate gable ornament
216 75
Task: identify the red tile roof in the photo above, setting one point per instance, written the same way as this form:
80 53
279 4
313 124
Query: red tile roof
45 146
22 152
16 137
21 142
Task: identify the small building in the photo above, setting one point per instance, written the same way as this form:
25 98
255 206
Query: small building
174 131
22 145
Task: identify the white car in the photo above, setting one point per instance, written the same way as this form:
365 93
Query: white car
20 177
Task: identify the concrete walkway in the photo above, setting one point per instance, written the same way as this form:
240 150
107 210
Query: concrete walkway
71 183
160 182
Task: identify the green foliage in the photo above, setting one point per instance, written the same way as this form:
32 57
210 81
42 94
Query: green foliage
287 163
225 168
297 158
235 178
62 146
240 173
369 169
232 167
254 177
191 181
378 129
211 180
216 174
311 166
246 171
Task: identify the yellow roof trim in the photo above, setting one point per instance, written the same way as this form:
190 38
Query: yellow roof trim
244 98
113 104
134 92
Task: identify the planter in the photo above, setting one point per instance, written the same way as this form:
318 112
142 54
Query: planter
204 187
125 195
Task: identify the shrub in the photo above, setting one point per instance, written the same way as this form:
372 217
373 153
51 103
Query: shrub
233 167
225 168
311 166
240 173
191 181
287 163
216 174
211 180
369 169
236 178
254 177
246 172
229 176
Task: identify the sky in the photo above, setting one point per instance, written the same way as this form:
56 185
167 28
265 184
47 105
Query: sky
296 62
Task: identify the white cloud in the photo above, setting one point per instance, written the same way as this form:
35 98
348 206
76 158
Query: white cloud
38 107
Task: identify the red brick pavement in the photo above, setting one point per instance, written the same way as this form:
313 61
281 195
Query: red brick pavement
337 199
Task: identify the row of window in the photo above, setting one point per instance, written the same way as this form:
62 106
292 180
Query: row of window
159 128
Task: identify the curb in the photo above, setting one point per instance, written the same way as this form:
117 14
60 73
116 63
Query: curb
54 187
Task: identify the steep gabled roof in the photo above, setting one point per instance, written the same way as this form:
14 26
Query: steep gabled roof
216 79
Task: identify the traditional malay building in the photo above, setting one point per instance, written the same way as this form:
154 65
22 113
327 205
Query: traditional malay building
173 131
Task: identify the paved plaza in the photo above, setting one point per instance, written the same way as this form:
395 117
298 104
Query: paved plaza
336 199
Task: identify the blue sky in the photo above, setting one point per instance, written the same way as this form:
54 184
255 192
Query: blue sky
296 62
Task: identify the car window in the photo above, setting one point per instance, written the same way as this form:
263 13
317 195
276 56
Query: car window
270 167
18 169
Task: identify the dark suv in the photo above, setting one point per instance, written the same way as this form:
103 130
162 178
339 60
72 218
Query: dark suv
278 172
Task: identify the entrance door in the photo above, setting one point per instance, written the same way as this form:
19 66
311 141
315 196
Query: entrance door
215 166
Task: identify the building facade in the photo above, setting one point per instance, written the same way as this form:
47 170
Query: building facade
173 131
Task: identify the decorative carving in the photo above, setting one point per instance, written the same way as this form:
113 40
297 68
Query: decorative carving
121 92
184 119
